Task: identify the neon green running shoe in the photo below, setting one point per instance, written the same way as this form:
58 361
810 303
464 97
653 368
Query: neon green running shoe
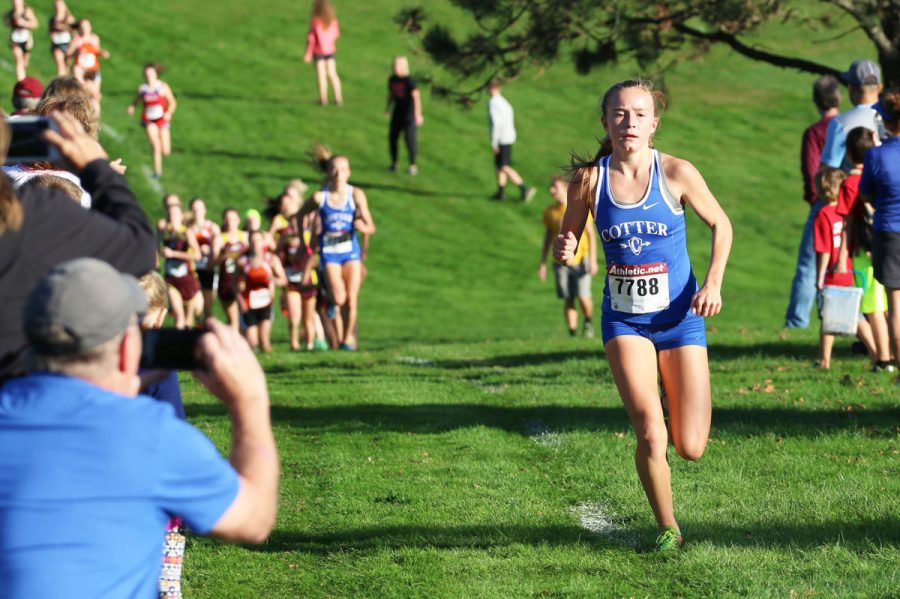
669 540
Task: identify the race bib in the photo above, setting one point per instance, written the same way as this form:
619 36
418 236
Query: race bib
87 61
342 244
176 268
153 112
295 276
20 36
638 288
61 37
259 298
230 266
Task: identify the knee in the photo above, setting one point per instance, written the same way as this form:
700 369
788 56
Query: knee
690 449
340 298
652 438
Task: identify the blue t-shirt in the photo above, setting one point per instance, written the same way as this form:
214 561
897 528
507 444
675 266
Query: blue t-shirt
88 481
835 148
168 391
881 180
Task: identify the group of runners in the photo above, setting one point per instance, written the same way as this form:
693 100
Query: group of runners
313 250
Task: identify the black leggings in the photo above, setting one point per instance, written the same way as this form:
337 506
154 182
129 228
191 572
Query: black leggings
408 127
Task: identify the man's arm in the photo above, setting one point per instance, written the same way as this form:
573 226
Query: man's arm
232 373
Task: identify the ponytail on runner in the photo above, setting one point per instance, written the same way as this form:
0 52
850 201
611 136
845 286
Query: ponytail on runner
323 160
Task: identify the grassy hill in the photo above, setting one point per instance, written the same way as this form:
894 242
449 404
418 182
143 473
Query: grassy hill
472 449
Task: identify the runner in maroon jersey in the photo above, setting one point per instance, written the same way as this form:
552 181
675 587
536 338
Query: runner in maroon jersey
232 243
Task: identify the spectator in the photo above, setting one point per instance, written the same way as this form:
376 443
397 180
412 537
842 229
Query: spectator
880 185
827 98
503 136
105 468
573 278
160 385
22 22
61 34
856 241
321 47
827 234
41 228
863 80
406 116
64 86
26 95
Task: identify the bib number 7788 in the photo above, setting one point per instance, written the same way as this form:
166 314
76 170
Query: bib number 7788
638 288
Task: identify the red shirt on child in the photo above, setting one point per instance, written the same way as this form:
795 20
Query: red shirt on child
827 230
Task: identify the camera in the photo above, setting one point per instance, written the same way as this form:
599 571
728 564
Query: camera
170 349
27 142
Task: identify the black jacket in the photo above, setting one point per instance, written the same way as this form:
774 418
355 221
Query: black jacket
55 229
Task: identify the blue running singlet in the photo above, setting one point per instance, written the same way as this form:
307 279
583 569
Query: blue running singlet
648 270
338 242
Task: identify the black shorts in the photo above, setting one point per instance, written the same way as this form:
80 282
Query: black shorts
886 258
323 56
254 317
61 47
207 279
503 157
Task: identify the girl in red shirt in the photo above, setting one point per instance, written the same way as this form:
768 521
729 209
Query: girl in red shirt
159 106
320 45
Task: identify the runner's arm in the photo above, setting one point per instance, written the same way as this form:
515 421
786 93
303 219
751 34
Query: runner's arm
363 223
577 209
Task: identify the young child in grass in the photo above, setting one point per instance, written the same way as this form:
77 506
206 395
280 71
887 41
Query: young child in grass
858 234
827 230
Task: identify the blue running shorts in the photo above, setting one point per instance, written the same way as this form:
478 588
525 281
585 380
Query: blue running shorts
691 330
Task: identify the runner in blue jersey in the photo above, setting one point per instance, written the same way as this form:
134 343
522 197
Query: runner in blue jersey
653 311
344 211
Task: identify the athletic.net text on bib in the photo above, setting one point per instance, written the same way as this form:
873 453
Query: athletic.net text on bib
638 288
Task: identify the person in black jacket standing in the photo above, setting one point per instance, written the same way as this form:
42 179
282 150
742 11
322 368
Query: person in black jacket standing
41 228
406 117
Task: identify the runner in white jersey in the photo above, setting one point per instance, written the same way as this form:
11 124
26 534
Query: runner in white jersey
652 309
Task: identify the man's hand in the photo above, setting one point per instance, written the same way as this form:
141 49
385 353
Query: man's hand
77 147
230 369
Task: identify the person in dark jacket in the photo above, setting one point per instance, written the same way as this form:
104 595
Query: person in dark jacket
41 228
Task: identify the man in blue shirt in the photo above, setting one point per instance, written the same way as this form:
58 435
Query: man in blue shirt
863 85
90 472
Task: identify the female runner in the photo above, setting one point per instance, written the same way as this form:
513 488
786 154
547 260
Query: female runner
300 293
207 234
61 35
22 22
343 210
159 106
86 49
179 248
232 243
653 312
258 274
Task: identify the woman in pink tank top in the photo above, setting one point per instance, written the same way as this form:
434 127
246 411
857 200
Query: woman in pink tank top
320 45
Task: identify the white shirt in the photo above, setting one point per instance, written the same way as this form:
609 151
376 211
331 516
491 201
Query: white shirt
500 118
20 175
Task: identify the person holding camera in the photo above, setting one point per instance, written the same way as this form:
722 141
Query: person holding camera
22 23
93 471
40 228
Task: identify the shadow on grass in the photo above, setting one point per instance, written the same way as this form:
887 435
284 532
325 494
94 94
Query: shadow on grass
864 535
416 192
218 153
441 418
442 537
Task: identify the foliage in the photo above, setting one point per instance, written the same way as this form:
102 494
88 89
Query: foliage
511 35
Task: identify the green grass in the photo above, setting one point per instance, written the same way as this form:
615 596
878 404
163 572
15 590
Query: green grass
453 456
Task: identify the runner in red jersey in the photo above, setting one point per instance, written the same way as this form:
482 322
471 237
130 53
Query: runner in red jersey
207 233
232 243
179 248
298 258
86 50
159 106
258 274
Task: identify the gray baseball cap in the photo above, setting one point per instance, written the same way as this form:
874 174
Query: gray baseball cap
863 72
80 304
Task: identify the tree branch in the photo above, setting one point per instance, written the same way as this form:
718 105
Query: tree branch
872 28
740 47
